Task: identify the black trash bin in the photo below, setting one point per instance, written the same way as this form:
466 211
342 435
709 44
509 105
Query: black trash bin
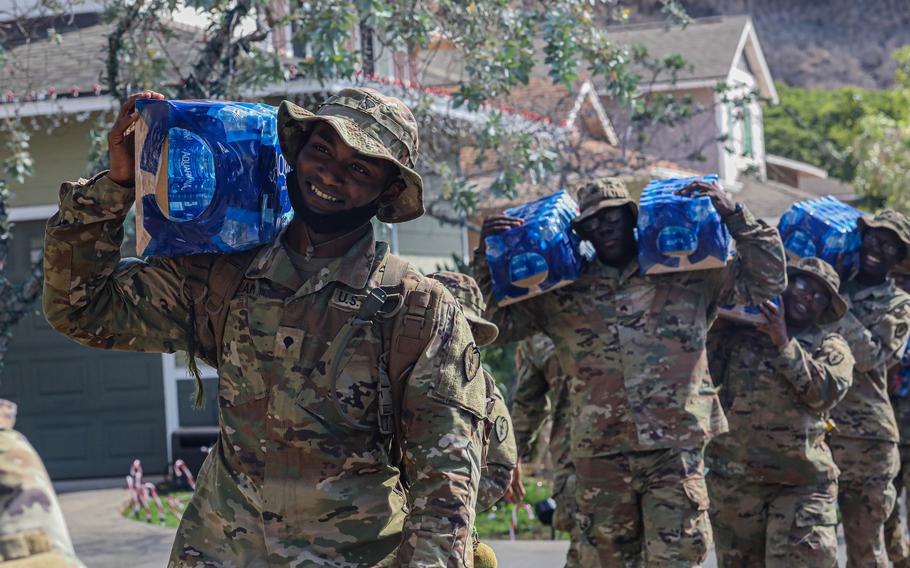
192 445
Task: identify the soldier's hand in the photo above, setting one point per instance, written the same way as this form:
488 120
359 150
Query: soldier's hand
776 325
495 225
722 201
516 490
121 140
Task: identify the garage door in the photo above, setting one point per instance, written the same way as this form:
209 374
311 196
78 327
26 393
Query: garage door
88 412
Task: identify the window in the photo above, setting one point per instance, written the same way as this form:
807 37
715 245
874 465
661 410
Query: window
747 133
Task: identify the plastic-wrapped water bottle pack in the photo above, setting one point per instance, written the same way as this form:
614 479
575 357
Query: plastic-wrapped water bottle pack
210 177
677 233
825 228
541 255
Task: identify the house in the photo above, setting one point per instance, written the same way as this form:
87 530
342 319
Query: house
718 51
88 412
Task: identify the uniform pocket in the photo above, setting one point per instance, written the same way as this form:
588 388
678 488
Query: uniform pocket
816 513
697 491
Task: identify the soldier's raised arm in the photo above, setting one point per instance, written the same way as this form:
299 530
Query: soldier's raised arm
820 379
758 272
884 342
515 321
443 403
92 295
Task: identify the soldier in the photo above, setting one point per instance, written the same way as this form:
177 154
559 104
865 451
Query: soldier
865 434
502 454
33 533
542 390
772 480
343 373
642 401
899 391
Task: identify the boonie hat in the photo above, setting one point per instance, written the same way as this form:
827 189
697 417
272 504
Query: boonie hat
823 272
468 294
601 194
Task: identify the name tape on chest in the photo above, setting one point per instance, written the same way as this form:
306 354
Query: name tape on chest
346 300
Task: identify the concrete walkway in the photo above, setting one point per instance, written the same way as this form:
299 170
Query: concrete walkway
104 539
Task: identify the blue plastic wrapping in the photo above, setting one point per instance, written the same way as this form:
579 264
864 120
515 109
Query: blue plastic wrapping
210 177
541 255
676 233
824 228
903 375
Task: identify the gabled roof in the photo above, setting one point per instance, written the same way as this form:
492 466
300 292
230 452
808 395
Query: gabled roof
43 69
712 46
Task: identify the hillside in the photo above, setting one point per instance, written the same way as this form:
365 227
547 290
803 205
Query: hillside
816 43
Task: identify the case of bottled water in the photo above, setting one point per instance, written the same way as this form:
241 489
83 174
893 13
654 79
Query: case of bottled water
825 228
677 233
542 254
210 177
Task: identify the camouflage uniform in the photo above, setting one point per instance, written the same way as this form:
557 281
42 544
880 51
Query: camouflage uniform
642 401
896 542
542 391
33 532
501 456
772 481
865 435
301 474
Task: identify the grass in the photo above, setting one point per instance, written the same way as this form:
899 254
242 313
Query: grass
491 525
169 519
494 524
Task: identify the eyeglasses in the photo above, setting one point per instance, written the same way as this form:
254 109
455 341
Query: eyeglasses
820 299
881 241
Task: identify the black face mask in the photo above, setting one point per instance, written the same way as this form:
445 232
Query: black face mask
328 223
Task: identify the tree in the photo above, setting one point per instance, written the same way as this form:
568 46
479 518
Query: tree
497 44
820 127
882 156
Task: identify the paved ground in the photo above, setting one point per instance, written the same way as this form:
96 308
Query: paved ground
104 539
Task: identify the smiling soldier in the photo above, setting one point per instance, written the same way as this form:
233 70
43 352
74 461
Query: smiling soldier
864 440
342 371
773 482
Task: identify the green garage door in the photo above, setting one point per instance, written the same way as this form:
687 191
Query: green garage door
88 412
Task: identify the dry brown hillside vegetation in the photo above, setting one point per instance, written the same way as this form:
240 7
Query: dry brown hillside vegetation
816 43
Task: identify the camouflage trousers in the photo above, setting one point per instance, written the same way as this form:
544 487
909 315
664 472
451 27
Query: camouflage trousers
645 508
866 496
772 525
896 541
581 554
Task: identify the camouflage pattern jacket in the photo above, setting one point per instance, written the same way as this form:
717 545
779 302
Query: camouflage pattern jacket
777 402
542 391
635 345
301 474
876 327
33 532
501 454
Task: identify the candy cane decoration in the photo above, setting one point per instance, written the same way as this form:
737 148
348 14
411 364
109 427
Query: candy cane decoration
513 528
134 499
181 469
136 472
149 489
175 505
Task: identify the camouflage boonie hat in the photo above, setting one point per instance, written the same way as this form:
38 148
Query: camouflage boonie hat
823 272
468 294
601 194
375 125
894 221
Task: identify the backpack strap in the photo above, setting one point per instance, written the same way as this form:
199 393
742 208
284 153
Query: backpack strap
212 281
